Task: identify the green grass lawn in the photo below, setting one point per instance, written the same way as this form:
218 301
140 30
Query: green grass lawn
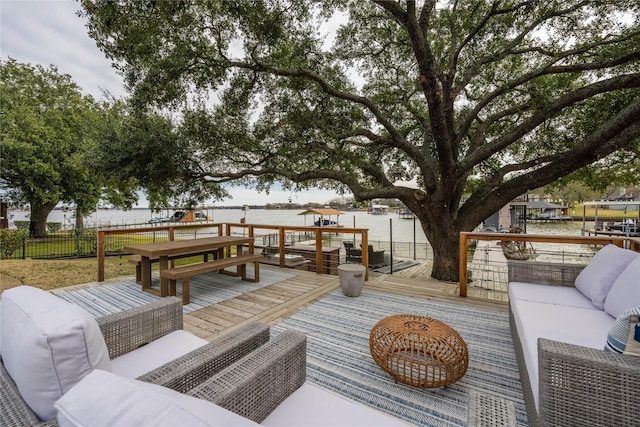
591 211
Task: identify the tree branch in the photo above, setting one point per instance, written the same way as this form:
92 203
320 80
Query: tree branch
549 111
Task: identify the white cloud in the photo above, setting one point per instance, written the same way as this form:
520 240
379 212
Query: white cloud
50 33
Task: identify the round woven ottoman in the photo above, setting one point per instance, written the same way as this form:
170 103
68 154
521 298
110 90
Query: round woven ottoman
419 351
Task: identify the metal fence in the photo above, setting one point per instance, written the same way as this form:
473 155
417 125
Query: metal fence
61 244
78 243
82 242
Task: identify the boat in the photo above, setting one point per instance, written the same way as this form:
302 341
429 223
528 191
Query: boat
325 215
181 216
628 227
325 223
407 214
378 209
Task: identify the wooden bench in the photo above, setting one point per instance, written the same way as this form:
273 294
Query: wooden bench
185 271
137 261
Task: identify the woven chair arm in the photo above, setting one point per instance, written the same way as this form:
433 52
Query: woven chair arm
543 273
129 329
190 370
14 411
585 386
256 384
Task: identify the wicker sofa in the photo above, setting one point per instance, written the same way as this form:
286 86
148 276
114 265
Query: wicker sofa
559 336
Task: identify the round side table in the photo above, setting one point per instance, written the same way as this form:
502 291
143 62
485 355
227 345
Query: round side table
419 351
351 277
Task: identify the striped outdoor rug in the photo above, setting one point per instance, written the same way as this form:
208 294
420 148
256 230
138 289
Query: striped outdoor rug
206 289
338 358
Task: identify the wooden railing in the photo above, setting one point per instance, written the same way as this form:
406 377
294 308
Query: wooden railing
231 228
317 231
634 244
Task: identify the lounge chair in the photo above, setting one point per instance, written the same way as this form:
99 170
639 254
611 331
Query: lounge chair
353 254
376 258
146 342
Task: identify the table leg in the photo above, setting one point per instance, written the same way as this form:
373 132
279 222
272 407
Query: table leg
145 270
164 282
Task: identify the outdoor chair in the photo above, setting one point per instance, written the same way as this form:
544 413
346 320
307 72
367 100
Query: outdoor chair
376 258
241 378
353 254
48 345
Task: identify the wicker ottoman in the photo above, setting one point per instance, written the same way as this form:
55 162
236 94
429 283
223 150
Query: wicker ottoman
419 351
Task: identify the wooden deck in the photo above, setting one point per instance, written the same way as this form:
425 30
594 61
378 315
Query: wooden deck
273 303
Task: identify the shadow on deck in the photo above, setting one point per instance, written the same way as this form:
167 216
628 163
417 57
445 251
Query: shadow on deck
273 303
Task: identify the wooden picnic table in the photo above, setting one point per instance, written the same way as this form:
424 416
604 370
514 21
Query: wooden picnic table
178 248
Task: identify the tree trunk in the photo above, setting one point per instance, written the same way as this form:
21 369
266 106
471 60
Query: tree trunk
38 220
79 219
446 256
443 233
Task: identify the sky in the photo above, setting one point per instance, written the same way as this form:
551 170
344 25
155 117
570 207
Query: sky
48 32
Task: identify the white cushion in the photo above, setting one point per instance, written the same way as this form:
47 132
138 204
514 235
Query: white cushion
155 354
105 399
313 406
598 276
625 292
48 346
573 325
560 295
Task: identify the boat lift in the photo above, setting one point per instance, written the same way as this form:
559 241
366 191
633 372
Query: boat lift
629 228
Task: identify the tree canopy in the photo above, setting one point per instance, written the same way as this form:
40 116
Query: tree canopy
47 130
405 99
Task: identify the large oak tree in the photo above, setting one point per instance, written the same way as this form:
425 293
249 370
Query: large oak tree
513 94
45 126
49 153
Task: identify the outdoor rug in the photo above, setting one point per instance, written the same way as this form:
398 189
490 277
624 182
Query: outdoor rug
206 289
338 357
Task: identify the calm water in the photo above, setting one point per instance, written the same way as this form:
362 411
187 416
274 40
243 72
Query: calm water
381 227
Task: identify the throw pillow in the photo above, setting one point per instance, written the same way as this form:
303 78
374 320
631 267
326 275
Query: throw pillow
597 278
105 399
48 345
625 292
624 336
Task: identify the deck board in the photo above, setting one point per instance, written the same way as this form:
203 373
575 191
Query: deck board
273 303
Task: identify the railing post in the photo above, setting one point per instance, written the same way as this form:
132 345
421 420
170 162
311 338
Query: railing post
319 266
281 237
364 246
100 255
463 264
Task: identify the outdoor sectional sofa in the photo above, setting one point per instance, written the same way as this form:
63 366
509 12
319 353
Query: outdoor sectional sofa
577 339
139 367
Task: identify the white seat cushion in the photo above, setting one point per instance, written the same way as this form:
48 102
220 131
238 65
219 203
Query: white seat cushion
103 399
625 292
48 345
156 354
560 295
313 406
597 278
573 325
